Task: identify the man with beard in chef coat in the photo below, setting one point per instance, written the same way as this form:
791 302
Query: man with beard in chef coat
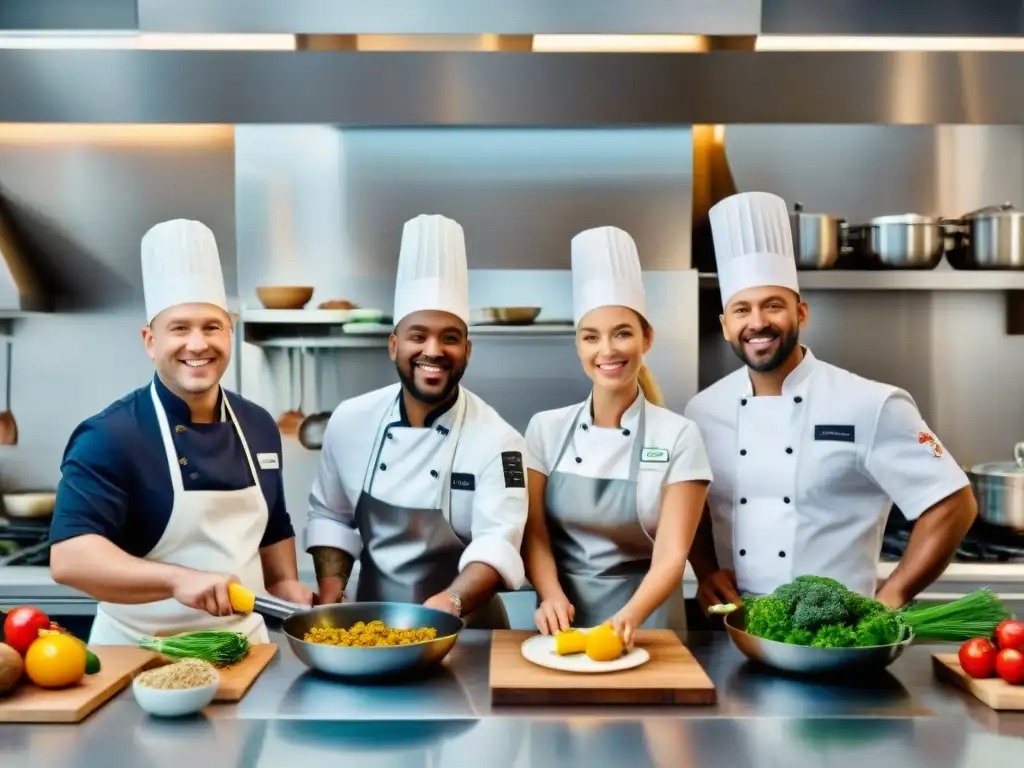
422 482
808 457
174 491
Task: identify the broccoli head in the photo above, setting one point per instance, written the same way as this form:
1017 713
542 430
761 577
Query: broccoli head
767 617
820 604
860 607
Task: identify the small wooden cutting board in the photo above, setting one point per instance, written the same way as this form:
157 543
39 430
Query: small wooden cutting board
118 666
672 676
237 679
993 692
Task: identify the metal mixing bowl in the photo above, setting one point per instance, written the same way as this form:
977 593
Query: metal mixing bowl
802 659
366 661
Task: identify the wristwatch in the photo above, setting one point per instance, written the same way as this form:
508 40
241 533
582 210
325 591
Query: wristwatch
456 603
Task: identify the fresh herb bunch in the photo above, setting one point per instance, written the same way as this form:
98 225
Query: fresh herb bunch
217 646
822 613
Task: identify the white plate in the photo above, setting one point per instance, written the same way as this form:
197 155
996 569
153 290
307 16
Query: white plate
540 650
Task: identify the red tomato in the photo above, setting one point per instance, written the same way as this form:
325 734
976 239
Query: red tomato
1010 666
22 625
978 658
1010 635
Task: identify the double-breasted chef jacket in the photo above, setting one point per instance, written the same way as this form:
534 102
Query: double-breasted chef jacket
117 482
369 440
804 481
604 520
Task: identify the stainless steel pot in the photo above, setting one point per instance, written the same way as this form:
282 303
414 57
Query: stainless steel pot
906 241
819 239
990 238
999 488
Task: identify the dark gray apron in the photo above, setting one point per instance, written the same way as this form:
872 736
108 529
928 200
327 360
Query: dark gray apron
601 548
411 554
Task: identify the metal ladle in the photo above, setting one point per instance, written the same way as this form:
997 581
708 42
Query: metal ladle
289 422
8 426
311 431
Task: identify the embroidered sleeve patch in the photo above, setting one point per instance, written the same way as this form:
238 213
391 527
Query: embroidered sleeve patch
928 439
512 466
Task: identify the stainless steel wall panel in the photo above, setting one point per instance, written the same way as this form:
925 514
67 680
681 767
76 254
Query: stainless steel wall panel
511 89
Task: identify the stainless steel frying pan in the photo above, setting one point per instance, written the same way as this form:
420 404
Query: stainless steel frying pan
357 661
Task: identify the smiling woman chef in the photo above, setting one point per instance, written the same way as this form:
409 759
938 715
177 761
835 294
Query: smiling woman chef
808 457
174 491
617 483
422 481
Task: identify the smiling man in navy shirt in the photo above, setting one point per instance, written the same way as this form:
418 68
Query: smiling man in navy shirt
174 491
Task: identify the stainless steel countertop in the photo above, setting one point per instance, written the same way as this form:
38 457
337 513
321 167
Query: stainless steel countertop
291 717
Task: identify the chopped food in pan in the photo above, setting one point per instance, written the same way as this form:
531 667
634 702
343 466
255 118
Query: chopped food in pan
368 634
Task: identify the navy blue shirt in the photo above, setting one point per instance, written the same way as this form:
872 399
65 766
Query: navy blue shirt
116 481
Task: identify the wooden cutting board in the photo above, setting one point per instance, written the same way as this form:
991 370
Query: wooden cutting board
237 679
118 665
994 693
672 676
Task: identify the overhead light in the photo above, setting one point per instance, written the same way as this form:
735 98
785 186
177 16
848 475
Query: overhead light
134 41
884 43
619 43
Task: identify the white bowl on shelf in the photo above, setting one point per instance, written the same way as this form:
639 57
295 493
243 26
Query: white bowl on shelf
174 702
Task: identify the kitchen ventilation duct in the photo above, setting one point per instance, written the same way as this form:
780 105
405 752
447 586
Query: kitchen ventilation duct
21 289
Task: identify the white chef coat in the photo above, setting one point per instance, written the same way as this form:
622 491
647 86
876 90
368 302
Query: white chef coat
608 454
804 482
491 516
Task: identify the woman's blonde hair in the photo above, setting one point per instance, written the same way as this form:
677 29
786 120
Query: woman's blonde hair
650 388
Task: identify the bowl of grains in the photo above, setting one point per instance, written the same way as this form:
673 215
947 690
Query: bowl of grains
174 690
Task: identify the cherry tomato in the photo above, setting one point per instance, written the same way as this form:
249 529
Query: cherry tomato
1010 666
22 625
978 658
1010 635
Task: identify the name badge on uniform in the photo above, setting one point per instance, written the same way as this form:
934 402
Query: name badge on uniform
268 461
654 455
842 433
462 481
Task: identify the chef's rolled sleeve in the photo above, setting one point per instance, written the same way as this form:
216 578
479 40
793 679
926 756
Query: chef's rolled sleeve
93 493
331 518
500 506
907 461
689 457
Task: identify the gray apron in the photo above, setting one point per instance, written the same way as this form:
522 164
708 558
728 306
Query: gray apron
601 548
411 554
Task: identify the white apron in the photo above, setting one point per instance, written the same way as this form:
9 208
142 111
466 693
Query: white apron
216 531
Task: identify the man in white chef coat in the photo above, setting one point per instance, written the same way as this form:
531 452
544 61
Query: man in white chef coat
174 491
422 482
808 457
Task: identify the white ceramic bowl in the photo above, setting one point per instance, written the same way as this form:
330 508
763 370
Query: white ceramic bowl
163 702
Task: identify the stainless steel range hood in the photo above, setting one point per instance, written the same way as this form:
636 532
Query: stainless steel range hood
21 289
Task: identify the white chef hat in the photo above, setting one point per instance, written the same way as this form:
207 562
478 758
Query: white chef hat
181 265
432 271
753 240
606 272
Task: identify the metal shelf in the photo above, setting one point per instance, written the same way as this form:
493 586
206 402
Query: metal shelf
377 336
901 280
296 316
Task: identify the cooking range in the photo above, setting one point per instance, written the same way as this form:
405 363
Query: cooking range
984 542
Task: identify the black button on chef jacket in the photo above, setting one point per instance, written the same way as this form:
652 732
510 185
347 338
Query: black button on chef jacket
115 479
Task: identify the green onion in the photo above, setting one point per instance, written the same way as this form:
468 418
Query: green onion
976 614
217 646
